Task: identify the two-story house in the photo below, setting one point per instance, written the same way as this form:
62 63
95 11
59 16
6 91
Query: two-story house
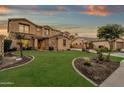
38 37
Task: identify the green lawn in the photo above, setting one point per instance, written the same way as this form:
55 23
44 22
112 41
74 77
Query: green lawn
48 69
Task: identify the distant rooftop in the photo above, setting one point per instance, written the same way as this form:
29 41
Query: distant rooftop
89 38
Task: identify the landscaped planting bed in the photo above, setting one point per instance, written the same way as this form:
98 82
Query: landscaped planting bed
95 71
8 62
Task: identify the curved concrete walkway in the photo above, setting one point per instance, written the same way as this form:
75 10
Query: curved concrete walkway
116 79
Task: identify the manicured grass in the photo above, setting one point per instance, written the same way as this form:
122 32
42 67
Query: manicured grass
48 69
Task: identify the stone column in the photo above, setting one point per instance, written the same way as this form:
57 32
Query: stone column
1 47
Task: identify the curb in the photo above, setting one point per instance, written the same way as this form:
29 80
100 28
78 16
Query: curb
121 62
81 73
18 65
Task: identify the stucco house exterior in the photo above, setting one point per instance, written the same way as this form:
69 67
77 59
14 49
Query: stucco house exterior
38 37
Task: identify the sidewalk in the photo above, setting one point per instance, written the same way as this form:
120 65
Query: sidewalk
116 79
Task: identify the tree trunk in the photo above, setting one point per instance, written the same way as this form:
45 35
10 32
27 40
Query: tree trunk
21 49
110 50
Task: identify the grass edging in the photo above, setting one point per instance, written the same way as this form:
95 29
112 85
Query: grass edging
18 65
81 73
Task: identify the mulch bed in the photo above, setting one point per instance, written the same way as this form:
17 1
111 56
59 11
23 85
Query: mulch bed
16 63
97 72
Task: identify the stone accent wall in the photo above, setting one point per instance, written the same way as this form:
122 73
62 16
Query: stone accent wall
1 45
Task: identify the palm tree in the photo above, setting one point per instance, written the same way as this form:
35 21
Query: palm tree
110 33
20 36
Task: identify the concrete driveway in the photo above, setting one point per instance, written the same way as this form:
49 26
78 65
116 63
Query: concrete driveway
118 54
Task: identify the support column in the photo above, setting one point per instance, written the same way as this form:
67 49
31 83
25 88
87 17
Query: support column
1 48
36 44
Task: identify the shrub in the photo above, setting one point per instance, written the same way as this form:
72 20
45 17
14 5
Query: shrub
51 48
7 44
68 49
12 49
118 49
83 49
23 48
87 64
100 54
29 48
87 59
104 49
0 59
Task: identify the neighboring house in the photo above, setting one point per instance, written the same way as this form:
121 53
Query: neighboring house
82 42
38 37
93 43
78 43
118 44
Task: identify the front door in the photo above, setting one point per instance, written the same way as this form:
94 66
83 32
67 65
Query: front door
39 44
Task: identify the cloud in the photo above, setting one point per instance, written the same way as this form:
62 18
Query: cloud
53 10
99 10
33 9
48 10
4 9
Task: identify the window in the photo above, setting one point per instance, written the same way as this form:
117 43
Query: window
26 29
23 28
46 32
25 43
64 42
38 29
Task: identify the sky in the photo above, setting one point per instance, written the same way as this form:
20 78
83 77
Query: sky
81 19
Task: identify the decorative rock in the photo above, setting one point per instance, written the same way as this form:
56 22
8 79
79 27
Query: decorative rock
18 59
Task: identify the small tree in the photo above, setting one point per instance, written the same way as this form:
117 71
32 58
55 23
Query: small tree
100 54
110 33
20 37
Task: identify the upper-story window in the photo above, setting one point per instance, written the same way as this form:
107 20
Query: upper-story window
24 28
21 28
46 32
38 29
